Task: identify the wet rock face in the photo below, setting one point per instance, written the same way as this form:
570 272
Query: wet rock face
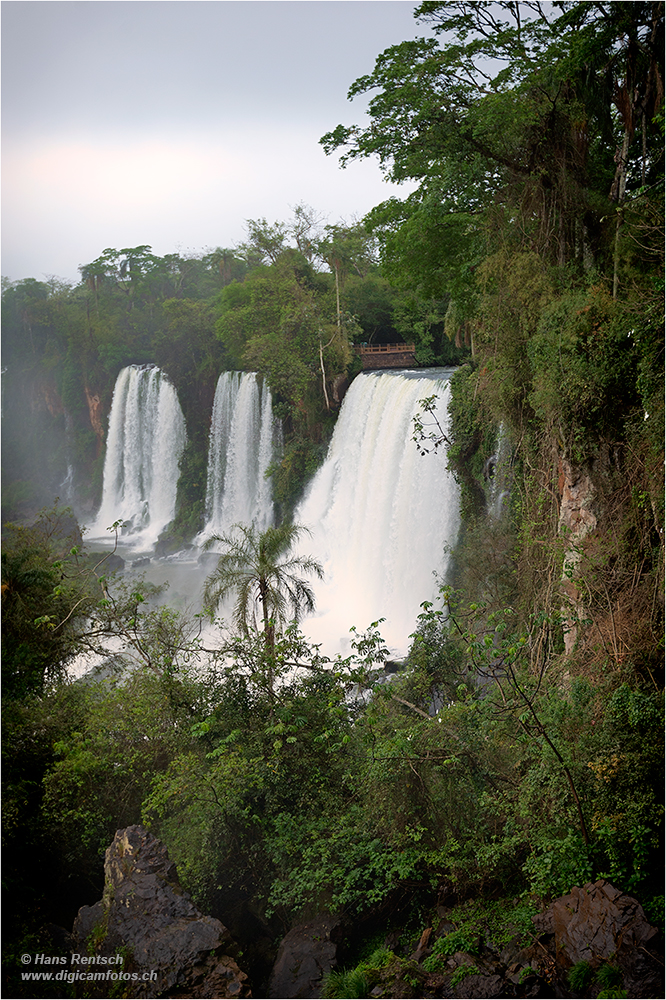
145 915
96 416
306 953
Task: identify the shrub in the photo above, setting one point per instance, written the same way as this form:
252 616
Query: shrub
580 976
462 972
654 911
343 983
357 982
608 976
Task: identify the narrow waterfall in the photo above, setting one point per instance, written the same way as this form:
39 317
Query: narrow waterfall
241 449
66 489
381 514
497 474
144 445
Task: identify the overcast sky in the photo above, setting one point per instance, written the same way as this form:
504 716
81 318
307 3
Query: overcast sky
170 122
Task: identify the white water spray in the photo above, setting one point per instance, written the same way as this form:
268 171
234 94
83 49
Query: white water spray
381 514
144 446
241 450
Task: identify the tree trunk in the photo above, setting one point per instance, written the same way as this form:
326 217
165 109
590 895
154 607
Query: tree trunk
337 295
618 192
269 634
323 372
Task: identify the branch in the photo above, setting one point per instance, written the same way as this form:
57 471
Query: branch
410 705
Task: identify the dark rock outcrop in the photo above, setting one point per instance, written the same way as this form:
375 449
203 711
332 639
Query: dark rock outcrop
146 917
108 562
599 923
481 987
305 954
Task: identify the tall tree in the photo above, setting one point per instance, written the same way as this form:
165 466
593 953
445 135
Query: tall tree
524 109
258 569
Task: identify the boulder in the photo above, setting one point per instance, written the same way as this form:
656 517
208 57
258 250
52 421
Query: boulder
305 954
477 987
109 562
601 923
145 917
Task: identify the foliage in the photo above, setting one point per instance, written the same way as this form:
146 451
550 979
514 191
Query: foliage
257 567
471 439
381 966
267 769
555 743
581 356
344 983
291 472
511 115
608 975
580 976
462 972
480 922
45 600
654 911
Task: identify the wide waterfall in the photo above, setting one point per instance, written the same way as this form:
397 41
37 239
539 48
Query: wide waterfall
145 442
381 515
242 439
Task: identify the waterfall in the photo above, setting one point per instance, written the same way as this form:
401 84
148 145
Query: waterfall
144 445
66 490
381 514
497 473
241 449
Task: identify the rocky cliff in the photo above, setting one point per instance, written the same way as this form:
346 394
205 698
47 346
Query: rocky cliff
167 947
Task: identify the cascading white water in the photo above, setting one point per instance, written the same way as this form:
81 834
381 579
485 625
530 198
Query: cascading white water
241 449
381 514
498 476
144 446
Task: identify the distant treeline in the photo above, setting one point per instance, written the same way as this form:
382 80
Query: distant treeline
290 303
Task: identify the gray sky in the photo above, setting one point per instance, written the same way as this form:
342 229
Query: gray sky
171 122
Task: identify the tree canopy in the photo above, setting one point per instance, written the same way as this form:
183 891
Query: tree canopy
546 113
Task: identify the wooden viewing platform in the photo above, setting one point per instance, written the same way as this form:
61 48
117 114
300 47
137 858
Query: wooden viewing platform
387 355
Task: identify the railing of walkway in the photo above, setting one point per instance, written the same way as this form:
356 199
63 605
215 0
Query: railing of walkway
385 348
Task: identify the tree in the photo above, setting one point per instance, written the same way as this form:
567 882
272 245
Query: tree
265 243
346 249
227 264
518 115
279 322
45 602
257 568
619 49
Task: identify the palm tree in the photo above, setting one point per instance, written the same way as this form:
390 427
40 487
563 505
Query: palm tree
256 567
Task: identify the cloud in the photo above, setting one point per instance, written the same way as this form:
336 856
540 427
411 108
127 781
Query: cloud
170 123
187 190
